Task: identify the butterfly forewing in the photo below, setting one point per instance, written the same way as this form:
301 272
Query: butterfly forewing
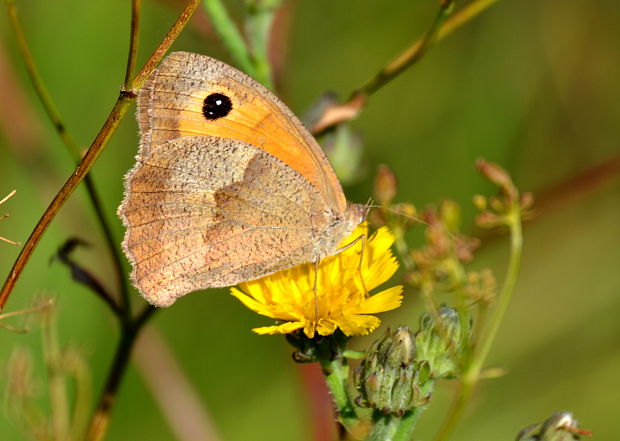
171 104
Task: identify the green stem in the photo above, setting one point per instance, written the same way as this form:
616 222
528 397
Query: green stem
393 428
336 373
383 427
472 374
230 35
409 421
514 265
258 28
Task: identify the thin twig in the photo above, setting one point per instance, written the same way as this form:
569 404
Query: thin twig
439 30
134 34
409 57
100 419
165 44
7 197
4 216
12 242
84 277
57 122
39 307
103 137
43 305
136 6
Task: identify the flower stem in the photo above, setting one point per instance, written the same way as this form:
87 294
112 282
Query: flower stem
336 373
392 428
471 376
258 27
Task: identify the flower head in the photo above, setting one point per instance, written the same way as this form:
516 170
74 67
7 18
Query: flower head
340 301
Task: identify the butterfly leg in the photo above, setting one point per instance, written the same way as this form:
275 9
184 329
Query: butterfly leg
361 238
315 290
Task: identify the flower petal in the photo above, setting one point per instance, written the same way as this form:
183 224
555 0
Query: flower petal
354 324
285 328
386 300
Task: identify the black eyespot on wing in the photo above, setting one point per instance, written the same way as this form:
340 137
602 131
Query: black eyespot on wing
216 106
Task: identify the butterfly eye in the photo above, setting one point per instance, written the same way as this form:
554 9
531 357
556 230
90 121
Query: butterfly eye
216 106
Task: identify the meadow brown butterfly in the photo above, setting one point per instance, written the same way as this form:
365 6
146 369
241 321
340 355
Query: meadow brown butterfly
228 185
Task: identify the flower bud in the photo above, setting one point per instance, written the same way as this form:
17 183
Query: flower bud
561 426
385 185
500 177
389 379
438 343
494 173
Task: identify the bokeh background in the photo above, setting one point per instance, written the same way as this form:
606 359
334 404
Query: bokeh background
530 84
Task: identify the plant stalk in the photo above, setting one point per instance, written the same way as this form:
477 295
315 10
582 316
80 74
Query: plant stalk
471 376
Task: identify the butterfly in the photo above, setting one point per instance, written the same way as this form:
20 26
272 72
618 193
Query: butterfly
228 185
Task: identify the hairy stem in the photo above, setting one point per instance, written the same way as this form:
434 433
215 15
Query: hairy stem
336 373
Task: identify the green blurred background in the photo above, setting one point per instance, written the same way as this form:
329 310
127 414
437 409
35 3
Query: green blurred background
530 84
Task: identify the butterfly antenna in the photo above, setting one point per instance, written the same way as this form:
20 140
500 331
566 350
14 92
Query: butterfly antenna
398 213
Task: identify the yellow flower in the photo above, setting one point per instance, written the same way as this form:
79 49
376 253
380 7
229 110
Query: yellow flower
340 300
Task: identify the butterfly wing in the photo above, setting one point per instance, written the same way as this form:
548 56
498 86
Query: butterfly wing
171 105
206 212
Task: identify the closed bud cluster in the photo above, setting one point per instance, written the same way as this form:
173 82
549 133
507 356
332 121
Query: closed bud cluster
439 343
390 379
561 426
